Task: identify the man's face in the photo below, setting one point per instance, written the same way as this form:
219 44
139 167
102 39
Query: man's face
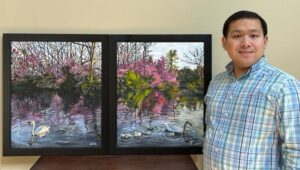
245 43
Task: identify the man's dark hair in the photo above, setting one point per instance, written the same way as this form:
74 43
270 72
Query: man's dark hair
244 15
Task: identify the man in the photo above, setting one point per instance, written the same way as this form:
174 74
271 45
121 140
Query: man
253 108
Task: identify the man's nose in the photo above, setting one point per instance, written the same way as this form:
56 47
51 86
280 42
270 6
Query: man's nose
245 41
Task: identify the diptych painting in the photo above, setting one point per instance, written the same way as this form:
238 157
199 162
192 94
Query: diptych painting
88 94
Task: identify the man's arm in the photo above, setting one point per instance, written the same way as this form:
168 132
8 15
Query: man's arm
289 124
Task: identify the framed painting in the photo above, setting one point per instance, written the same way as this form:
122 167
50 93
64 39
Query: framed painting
81 94
54 102
158 83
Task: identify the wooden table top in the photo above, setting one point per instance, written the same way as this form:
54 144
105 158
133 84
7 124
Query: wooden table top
116 162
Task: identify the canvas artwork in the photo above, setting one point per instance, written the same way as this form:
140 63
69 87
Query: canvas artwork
55 94
90 94
160 91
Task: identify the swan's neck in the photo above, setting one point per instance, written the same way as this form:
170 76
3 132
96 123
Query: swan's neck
33 127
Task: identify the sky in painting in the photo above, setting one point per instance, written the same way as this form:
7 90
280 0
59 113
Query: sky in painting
162 48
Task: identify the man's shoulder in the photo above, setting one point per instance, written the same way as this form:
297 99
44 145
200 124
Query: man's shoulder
221 75
281 78
218 79
279 74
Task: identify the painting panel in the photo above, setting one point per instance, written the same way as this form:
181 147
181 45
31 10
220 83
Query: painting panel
161 82
54 93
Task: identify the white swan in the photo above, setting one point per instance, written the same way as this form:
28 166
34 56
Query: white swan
40 131
173 128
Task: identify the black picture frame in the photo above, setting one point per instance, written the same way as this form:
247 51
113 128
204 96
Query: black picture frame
132 140
109 99
66 139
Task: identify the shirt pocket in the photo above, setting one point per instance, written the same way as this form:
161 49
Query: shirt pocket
262 112
263 103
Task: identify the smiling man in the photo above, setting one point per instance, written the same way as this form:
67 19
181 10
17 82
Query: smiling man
253 108
245 43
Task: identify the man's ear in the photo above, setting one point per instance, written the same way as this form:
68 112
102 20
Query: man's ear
224 40
266 40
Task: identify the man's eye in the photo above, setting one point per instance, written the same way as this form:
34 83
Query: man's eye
236 36
254 36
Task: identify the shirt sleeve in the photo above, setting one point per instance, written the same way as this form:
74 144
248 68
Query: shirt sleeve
289 124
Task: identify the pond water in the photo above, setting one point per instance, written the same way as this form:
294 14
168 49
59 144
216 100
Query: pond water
165 130
74 131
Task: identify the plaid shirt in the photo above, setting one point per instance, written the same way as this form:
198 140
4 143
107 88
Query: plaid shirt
253 122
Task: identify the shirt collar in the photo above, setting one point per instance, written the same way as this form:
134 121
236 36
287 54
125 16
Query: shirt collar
255 67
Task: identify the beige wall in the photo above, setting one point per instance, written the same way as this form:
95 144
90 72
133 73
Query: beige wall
150 17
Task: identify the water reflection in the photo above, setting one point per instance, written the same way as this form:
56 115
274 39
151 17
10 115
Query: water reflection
185 129
65 129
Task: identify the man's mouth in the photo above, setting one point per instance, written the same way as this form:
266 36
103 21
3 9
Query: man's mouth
245 52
